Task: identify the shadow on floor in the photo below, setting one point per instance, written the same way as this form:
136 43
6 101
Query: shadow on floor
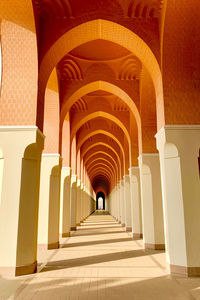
160 288
75 233
90 227
96 242
97 259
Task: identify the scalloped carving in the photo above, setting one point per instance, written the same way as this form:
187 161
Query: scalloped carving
86 126
69 70
79 106
130 69
145 8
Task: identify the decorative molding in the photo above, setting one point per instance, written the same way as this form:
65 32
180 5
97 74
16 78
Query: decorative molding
130 69
145 8
176 127
21 128
79 106
69 69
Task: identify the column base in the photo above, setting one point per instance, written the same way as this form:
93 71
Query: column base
73 229
154 246
18 271
137 235
123 225
53 246
185 271
128 229
64 235
48 246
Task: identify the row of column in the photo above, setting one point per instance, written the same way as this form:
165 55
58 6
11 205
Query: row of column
40 201
64 202
159 199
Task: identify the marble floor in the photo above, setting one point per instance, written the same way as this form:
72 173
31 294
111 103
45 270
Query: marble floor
100 261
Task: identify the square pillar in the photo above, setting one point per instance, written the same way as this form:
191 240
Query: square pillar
128 220
179 147
136 202
82 202
78 203
65 190
151 195
119 201
20 150
49 203
122 202
73 201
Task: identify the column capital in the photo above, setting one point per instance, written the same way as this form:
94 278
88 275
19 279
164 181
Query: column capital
78 183
175 128
122 182
133 170
147 155
126 178
174 134
52 159
66 171
51 155
21 128
23 137
73 179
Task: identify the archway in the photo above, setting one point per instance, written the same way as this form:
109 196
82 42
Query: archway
100 201
102 29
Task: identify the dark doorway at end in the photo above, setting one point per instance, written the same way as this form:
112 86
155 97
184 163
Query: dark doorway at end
100 201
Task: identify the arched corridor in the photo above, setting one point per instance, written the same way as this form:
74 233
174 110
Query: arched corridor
99 149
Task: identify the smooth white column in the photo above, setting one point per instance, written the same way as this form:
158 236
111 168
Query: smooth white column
20 152
81 202
136 202
65 190
85 202
179 146
49 201
122 202
119 201
151 195
128 221
73 201
78 203
115 203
